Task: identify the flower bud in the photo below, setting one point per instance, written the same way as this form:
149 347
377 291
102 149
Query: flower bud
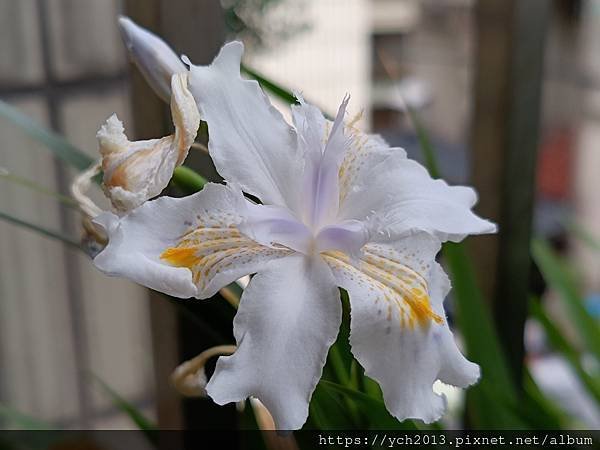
155 59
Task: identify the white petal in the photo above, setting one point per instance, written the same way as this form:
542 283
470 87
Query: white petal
364 153
288 318
157 62
348 236
335 156
399 197
137 171
455 369
311 127
275 225
320 179
184 247
250 142
399 335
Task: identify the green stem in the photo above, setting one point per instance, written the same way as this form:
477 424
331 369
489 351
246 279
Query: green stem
188 180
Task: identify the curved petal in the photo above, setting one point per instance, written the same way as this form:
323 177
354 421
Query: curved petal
184 247
348 236
398 197
250 142
137 171
455 369
288 318
398 330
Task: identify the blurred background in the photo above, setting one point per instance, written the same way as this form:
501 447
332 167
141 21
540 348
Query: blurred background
509 95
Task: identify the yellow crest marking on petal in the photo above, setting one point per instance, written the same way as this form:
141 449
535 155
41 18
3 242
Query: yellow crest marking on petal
421 307
208 250
400 285
205 248
181 256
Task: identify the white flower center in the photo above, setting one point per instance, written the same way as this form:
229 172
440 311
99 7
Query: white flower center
311 226
274 225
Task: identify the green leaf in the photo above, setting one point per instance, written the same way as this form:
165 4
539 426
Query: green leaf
21 181
474 318
337 363
593 242
40 229
23 421
340 357
269 86
62 148
539 411
377 413
556 273
340 361
188 180
560 344
359 397
144 424
329 411
275 89
490 401
26 439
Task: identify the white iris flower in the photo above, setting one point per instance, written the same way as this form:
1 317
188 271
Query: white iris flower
339 208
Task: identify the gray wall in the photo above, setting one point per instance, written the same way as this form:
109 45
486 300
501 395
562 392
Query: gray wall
63 64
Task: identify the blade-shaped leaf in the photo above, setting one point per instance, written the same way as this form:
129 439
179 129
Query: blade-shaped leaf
377 413
340 358
22 421
540 411
492 397
40 229
360 397
273 88
556 273
134 414
329 410
560 344
490 400
474 319
62 148
22 181
584 235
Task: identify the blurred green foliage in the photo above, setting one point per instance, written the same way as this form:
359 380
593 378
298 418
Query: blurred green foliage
264 23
